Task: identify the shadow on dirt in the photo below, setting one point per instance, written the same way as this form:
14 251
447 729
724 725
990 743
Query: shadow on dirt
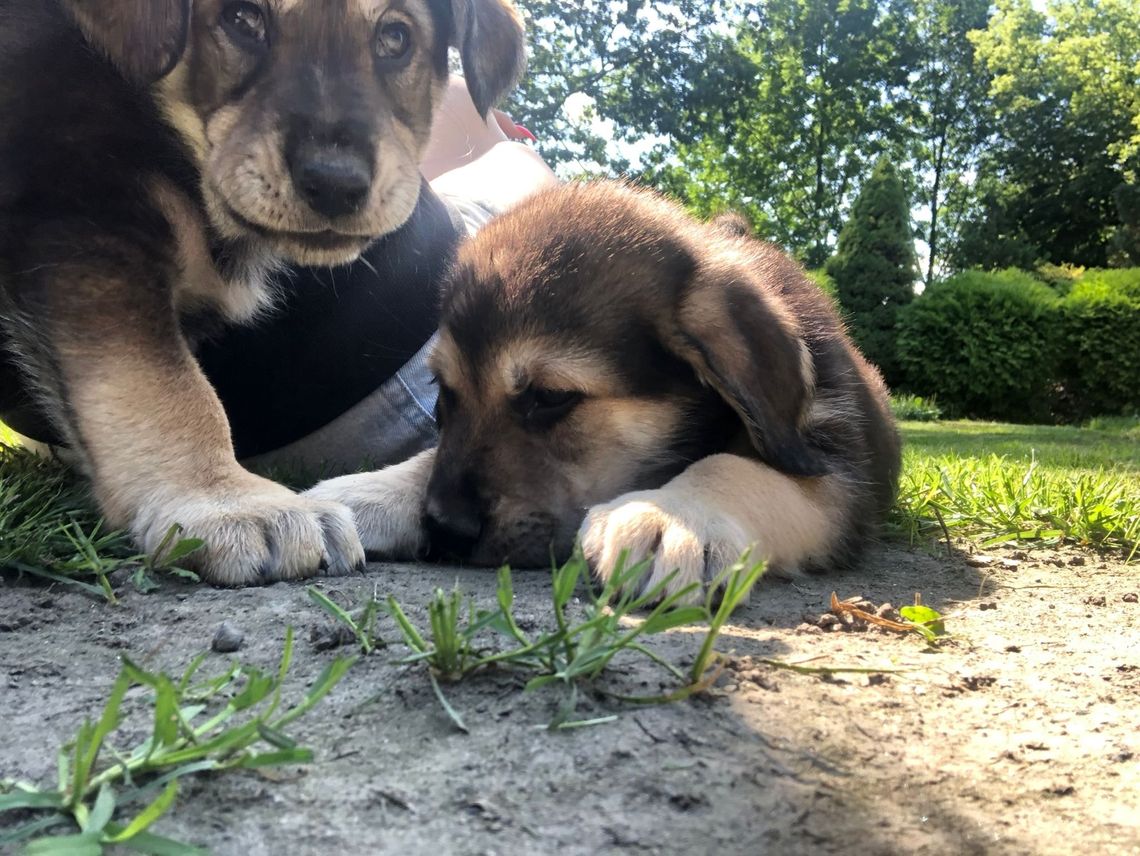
891 747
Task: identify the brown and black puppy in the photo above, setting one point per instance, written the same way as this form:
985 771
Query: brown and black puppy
159 160
612 370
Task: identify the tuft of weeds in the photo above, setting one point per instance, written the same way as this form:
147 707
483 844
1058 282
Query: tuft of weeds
232 721
362 625
49 529
915 408
458 642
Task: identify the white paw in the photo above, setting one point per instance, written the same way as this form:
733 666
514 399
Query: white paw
255 532
678 535
387 505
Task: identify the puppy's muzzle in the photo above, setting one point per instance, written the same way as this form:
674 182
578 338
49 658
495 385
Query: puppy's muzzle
333 181
453 520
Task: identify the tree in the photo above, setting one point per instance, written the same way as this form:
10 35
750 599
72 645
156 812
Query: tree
947 96
1065 94
787 113
875 267
602 71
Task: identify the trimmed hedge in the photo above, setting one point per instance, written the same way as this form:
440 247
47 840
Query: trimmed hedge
1005 345
984 343
1100 327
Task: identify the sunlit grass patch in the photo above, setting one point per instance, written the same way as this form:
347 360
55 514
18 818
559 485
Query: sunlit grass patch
1000 482
49 528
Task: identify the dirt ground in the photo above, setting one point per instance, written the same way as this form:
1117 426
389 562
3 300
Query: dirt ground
1021 734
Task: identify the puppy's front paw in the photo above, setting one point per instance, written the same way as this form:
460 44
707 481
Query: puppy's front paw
255 532
676 533
387 506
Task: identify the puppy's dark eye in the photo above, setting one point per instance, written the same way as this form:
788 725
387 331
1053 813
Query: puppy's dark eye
245 23
393 42
542 408
444 402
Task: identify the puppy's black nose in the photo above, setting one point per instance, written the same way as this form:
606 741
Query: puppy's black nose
453 525
334 182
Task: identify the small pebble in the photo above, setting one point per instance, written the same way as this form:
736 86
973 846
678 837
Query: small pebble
228 639
979 561
1077 560
1130 597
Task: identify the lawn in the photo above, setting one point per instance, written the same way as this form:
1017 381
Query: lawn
981 480
994 481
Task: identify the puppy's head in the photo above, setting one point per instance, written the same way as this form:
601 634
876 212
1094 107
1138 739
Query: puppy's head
595 341
307 117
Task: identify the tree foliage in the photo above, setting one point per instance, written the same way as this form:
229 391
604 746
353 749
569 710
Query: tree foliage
1065 95
606 71
1016 127
788 113
874 268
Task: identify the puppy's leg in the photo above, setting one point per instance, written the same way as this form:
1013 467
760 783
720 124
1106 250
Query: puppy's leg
111 363
704 519
387 505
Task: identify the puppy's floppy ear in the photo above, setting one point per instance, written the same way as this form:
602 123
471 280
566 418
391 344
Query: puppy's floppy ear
143 38
489 35
743 341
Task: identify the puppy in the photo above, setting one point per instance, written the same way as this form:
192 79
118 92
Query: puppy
160 160
613 371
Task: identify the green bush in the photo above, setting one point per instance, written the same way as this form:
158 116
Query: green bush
915 408
985 344
1060 278
1100 338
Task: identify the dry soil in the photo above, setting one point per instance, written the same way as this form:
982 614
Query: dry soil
1018 734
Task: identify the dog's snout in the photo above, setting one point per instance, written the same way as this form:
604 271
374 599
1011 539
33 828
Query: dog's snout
453 522
333 181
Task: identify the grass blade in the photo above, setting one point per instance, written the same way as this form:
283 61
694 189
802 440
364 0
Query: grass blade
451 712
145 818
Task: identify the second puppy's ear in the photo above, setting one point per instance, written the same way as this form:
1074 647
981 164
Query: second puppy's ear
143 38
742 341
489 35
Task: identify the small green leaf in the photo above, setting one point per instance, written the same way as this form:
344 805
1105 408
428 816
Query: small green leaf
102 811
276 759
145 818
275 738
925 618
675 618
156 845
31 800
451 712
183 549
84 844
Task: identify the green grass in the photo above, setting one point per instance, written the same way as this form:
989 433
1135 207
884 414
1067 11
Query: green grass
49 529
113 786
456 645
980 480
996 482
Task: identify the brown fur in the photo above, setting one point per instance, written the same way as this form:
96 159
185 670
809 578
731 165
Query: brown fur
152 170
612 370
